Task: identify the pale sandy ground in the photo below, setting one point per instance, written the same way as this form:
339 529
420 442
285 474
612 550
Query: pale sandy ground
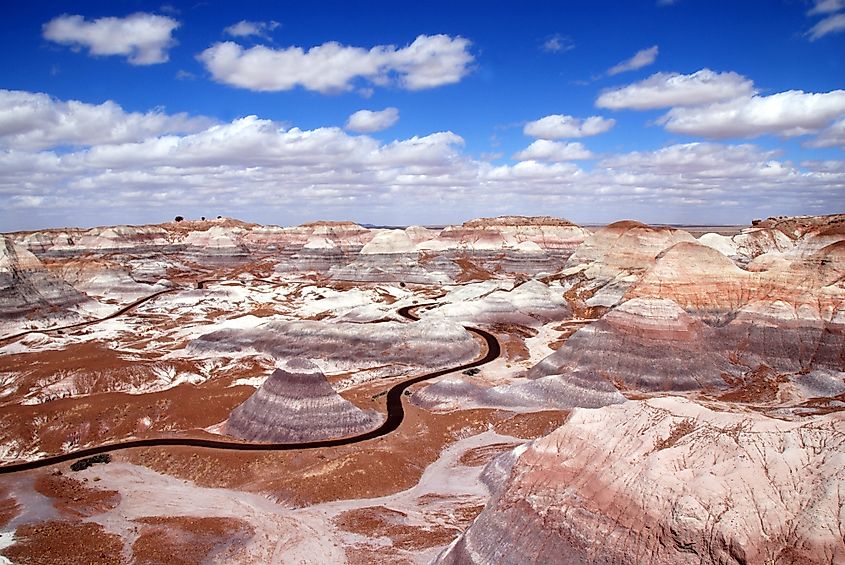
283 535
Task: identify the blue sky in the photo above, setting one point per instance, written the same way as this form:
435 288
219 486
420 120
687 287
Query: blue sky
676 112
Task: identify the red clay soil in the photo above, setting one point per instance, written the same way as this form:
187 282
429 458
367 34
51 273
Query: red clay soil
185 540
471 271
512 337
531 425
627 225
760 385
75 498
679 430
65 543
9 507
484 454
373 468
383 556
378 521
110 416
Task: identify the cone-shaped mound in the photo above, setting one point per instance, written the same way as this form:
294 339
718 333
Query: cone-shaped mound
296 404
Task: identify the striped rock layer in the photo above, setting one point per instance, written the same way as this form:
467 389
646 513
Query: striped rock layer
298 404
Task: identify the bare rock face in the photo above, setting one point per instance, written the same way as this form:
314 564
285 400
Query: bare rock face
297 404
612 260
27 289
350 346
649 345
547 232
530 304
556 392
666 481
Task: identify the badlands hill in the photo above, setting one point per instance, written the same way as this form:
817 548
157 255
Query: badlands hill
618 394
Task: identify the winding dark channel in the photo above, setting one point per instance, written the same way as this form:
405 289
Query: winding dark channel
395 411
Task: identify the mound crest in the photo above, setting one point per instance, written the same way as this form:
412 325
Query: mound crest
298 404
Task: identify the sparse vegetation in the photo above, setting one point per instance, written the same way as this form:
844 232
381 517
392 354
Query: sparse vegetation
83 464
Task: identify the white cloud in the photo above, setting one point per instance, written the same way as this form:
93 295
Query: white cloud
428 62
557 43
368 121
144 38
662 90
32 121
558 126
641 58
263 171
790 113
831 24
826 7
833 136
545 150
245 28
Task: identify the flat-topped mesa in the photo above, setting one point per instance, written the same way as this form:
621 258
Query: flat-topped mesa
778 237
392 255
800 226
341 233
518 221
389 242
296 403
550 234
668 482
319 246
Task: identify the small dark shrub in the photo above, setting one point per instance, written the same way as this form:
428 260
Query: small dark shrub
88 461
179 218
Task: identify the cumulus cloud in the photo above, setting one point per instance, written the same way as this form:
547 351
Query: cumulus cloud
143 38
833 136
789 113
545 150
831 24
662 90
245 28
33 121
266 171
368 121
429 61
558 126
642 58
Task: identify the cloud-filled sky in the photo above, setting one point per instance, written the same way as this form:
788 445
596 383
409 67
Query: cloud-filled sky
684 111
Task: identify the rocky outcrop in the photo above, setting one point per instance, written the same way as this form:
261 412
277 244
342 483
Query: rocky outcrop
613 259
666 481
551 234
557 392
647 345
29 291
530 304
394 346
295 404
